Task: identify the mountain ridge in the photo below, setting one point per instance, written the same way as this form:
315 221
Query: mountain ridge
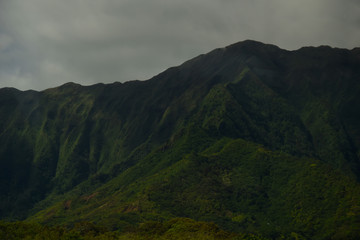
274 110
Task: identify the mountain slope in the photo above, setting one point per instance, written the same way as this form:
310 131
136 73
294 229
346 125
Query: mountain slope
237 136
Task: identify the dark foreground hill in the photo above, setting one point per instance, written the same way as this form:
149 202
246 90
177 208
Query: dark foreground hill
251 137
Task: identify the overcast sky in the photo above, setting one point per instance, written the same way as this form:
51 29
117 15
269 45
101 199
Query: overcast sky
45 43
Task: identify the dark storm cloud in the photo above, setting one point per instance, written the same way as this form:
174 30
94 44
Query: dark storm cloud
45 43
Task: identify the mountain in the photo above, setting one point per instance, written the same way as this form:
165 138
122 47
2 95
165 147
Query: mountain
252 137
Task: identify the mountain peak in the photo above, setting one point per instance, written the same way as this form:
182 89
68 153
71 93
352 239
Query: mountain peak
70 85
251 45
237 136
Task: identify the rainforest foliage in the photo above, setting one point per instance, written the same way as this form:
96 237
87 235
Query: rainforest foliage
245 141
175 229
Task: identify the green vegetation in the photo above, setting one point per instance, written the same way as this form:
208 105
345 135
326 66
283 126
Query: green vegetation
240 143
239 185
175 229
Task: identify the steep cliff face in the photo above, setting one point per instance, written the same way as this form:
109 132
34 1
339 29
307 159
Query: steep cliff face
241 126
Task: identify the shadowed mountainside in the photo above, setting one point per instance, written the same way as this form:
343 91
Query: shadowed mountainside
253 137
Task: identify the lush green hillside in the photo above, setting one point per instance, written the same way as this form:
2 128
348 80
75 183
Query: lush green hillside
175 229
251 137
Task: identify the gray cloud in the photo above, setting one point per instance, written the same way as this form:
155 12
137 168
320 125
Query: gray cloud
46 43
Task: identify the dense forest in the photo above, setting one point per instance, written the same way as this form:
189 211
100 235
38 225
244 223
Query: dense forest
246 142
